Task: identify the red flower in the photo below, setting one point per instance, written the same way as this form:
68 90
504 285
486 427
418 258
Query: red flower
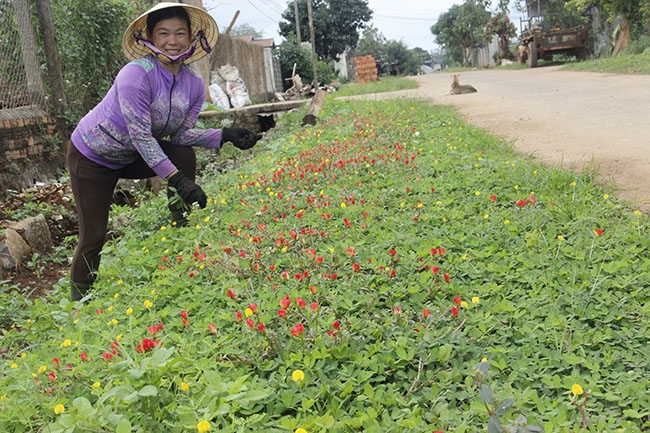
598 232
392 273
231 294
314 306
260 327
285 302
457 300
253 307
312 289
56 362
250 322
154 329
397 310
107 356
441 251
522 203
434 251
336 324
393 252
435 269
454 311
301 302
239 316
212 328
52 377
184 314
282 313
493 198
425 313
446 277
298 329
83 356
356 267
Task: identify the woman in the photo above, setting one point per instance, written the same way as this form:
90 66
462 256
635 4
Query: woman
145 126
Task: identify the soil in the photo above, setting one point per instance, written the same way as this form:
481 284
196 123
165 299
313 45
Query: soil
564 118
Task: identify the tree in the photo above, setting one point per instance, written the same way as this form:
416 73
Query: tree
245 30
336 24
461 28
635 12
372 43
501 26
406 61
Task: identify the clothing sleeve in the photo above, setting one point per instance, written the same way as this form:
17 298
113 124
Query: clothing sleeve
189 134
135 96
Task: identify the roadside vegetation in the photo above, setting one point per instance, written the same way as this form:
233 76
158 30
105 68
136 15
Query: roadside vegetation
391 269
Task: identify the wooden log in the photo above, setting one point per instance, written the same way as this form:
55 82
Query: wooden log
314 108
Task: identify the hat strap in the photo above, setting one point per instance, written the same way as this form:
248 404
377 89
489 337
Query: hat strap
171 60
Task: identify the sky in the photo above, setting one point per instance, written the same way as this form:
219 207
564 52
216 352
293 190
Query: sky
408 21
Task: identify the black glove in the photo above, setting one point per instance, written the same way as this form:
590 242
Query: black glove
241 138
188 190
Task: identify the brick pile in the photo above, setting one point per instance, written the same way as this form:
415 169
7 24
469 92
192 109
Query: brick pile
366 69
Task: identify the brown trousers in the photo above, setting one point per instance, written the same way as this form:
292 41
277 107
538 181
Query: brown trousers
93 186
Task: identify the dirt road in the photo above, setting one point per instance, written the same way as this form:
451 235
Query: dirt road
563 118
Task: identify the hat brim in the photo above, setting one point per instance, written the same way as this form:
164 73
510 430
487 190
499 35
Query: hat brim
199 20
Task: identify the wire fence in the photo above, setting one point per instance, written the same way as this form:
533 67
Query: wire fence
21 84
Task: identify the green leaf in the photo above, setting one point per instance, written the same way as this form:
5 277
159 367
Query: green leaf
485 392
494 425
148 391
504 406
124 426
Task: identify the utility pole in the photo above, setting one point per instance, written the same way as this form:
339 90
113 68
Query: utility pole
295 8
313 45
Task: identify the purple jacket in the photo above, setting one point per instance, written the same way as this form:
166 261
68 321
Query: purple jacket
145 104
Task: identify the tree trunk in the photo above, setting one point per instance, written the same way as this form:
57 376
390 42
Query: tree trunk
55 76
315 106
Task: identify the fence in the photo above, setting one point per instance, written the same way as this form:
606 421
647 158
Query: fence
28 151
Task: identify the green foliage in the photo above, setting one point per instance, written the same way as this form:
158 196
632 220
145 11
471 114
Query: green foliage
89 36
622 64
349 277
292 54
384 84
336 24
637 12
461 27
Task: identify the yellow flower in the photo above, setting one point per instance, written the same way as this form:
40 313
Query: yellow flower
148 304
606 196
577 389
66 343
120 282
300 430
637 212
3 397
475 300
163 228
59 409
184 387
109 309
477 193
343 205
42 368
203 426
298 375
96 385
117 295
207 219
560 238
248 312
464 304
506 222
129 311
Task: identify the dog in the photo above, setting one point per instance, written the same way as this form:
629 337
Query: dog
457 88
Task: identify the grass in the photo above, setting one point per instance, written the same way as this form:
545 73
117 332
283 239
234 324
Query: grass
391 269
383 84
621 64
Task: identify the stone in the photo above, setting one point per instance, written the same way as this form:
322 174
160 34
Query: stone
35 232
18 248
7 262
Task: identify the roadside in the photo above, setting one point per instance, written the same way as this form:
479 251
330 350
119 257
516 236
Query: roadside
572 119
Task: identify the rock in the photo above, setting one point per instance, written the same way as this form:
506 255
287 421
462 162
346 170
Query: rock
18 248
7 262
35 232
